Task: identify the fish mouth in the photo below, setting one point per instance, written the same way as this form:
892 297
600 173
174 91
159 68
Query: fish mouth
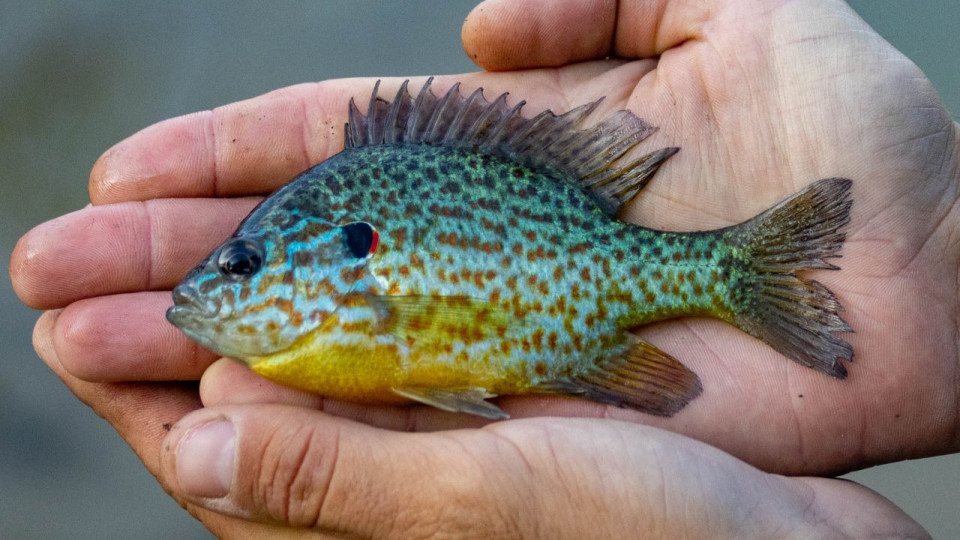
203 322
189 306
196 319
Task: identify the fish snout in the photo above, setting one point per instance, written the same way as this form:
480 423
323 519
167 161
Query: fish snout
187 300
186 295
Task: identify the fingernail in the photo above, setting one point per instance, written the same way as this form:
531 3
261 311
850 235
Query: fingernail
205 459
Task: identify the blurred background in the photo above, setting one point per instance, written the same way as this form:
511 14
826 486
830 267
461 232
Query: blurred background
77 76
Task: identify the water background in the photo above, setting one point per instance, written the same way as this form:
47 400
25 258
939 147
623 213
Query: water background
77 76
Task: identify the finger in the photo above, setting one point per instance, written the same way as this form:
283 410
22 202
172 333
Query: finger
126 337
143 413
257 145
558 478
877 517
228 382
119 248
249 147
241 148
507 35
504 34
307 469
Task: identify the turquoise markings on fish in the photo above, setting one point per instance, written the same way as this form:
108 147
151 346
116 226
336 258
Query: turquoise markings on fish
455 250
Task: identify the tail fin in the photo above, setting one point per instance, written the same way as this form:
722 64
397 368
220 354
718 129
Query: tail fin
794 315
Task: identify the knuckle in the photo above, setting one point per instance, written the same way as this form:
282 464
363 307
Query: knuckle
295 474
74 336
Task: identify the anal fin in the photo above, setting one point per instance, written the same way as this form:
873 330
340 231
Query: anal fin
467 400
643 378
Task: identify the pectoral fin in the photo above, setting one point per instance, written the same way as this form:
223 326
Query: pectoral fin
444 318
644 378
467 400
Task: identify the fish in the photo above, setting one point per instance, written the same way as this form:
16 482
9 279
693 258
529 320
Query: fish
456 250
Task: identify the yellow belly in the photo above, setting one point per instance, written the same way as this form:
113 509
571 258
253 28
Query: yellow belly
366 368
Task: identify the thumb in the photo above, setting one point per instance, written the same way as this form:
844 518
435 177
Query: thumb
550 478
304 468
547 478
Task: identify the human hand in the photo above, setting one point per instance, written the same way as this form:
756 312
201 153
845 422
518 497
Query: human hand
294 472
763 99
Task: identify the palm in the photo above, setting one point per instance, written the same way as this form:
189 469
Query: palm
757 127
754 127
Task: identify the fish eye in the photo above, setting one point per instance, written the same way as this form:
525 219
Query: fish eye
240 259
360 238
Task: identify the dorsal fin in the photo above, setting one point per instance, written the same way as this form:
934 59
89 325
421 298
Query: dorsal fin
546 141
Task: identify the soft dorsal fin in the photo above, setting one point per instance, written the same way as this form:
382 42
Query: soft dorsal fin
559 143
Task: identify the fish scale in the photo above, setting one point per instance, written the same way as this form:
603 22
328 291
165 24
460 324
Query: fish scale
455 251
498 262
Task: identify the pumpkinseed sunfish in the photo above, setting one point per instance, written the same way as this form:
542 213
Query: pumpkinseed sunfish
455 251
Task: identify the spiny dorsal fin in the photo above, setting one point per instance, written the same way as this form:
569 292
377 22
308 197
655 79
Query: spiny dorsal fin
546 141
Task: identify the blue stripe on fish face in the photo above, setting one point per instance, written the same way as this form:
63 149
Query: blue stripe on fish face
307 271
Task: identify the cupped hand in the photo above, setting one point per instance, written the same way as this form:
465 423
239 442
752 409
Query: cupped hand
763 97
289 471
